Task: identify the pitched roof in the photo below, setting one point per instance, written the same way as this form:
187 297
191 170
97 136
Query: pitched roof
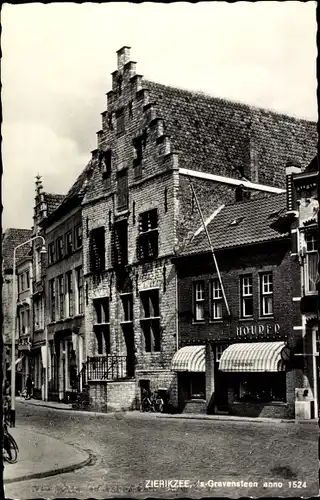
11 238
241 223
224 137
53 201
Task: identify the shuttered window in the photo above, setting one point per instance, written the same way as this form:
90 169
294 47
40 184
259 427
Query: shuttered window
120 243
97 250
122 188
148 237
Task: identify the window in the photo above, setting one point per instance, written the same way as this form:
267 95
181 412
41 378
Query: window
105 161
311 261
218 351
51 253
52 298
69 292
215 299
120 122
266 294
198 294
79 281
22 323
97 250
150 319
148 235
137 156
22 286
78 236
127 306
60 248
38 264
246 297
120 244
102 325
61 296
197 386
262 387
122 189
37 307
27 279
69 245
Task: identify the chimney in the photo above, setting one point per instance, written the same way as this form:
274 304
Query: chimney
292 168
123 56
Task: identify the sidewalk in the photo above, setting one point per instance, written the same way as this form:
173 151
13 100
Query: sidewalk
187 416
41 456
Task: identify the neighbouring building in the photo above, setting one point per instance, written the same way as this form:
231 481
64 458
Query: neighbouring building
237 329
11 238
139 210
303 210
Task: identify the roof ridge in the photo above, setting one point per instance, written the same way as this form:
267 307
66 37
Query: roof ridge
255 200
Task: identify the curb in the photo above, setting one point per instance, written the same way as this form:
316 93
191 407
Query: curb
53 472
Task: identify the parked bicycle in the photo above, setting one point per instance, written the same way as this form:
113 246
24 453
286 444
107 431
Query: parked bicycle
9 448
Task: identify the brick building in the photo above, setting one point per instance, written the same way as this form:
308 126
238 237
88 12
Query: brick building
11 238
236 356
139 210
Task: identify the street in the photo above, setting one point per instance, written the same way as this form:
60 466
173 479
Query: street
132 451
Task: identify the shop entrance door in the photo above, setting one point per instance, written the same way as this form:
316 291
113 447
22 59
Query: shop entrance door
220 383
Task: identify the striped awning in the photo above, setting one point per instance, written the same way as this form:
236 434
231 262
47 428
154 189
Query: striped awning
254 357
191 358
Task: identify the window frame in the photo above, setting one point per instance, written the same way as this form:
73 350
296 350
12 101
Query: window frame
198 301
51 253
120 122
148 237
311 254
214 300
127 309
80 290
122 190
61 296
97 250
150 323
52 299
68 244
78 235
266 295
69 294
60 248
102 328
246 296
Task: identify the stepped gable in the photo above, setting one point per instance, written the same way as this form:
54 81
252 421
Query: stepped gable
11 238
242 223
232 139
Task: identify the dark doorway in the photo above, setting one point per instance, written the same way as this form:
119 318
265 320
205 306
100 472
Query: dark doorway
131 355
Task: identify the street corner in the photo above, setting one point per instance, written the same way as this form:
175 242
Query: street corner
41 455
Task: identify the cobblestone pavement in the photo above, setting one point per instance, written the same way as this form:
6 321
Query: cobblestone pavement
130 451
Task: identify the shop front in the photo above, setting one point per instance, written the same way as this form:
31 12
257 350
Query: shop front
257 379
190 365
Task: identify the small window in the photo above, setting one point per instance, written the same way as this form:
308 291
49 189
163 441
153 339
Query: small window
52 298
215 300
105 161
101 325
69 291
61 296
22 282
148 235
69 245
120 244
51 253
312 259
198 293
60 248
246 296
127 305
266 294
120 122
28 279
78 236
122 190
97 250
150 319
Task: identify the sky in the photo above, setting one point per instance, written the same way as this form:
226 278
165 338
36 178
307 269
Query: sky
57 61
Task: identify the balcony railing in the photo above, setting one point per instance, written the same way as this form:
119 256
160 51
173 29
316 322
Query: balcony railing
106 367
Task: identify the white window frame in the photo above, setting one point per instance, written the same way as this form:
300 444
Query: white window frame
266 292
311 254
246 294
216 303
219 349
198 300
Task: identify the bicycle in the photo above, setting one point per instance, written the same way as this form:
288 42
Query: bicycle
9 448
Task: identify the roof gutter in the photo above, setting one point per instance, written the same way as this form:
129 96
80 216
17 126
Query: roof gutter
229 180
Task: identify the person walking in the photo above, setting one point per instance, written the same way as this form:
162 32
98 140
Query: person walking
29 385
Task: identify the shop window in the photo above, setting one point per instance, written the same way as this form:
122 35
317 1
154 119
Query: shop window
262 387
78 236
79 289
218 352
51 253
69 245
102 325
198 300
97 250
150 319
266 294
312 258
120 243
120 122
122 190
215 294
52 298
69 291
148 235
59 248
127 306
61 296
246 296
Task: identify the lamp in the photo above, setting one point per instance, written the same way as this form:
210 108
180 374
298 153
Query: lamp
43 249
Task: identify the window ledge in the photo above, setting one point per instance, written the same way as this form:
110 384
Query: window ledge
215 321
263 318
151 317
249 318
200 322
